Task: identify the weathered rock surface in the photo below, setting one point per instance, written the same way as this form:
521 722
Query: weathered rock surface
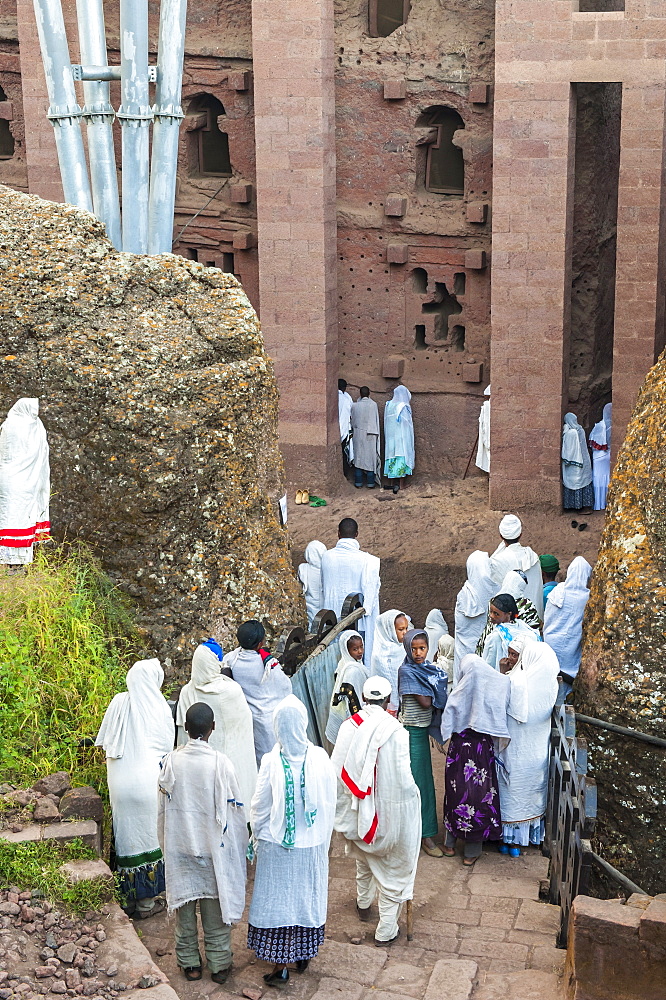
161 410
623 673
83 803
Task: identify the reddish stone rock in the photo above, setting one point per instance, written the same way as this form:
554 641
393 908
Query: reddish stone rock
53 784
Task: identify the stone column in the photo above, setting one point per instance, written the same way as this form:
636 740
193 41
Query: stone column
294 103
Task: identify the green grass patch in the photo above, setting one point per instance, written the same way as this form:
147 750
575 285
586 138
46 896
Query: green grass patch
36 866
67 637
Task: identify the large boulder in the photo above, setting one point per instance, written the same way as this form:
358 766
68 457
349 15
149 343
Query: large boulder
161 411
623 673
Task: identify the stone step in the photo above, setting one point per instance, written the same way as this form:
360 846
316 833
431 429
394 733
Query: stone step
529 984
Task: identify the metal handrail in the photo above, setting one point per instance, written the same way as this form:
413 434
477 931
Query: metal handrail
634 734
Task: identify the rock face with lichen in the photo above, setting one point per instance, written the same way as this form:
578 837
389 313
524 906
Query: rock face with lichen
161 411
623 674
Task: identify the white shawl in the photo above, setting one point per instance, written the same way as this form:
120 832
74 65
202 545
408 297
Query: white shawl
24 482
435 628
264 686
233 734
498 641
387 652
365 427
483 451
202 829
576 463
348 671
309 573
563 621
472 607
479 701
345 403
345 570
517 556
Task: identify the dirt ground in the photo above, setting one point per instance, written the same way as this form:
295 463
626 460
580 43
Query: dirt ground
425 534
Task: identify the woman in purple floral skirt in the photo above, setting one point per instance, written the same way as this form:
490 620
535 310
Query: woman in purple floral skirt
475 722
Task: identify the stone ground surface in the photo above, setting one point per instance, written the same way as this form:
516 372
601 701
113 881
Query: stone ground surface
479 933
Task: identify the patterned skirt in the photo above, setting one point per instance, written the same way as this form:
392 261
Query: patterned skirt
285 944
577 499
471 799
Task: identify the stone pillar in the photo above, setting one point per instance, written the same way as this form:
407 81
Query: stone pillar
40 148
294 103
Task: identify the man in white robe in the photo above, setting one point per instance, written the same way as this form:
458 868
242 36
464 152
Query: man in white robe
483 450
24 483
379 808
263 682
345 403
345 570
510 554
203 835
365 428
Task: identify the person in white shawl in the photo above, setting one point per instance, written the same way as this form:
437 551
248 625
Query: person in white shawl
388 651
578 492
471 609
345 403
365 428
563 622
475 722
262 679
25 483
445 652
523 780
483 450
600 442
515 584
379 808
350 676
292 821
309 573
203 835
506 627
435 628
511 554
136 732
398 436
233 733
346 570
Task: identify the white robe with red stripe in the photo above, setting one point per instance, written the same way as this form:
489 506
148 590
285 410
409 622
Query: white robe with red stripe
379 805
24 483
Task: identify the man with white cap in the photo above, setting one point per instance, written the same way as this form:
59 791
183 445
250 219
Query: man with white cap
510 554
379 808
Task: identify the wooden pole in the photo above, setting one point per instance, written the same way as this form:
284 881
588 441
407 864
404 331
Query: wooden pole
471 454
410 920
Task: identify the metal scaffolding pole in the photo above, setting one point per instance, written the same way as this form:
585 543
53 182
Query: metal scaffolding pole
64 111
99 116
135 116
168 114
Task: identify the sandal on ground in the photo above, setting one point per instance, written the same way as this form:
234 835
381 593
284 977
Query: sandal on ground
299 497
302 964
192 973
449 852
387 944
470 862
279 978
221 976
317 502
305 497
159 907
432 852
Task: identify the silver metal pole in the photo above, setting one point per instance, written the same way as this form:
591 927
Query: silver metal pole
99 116
64 112
168 115
135 116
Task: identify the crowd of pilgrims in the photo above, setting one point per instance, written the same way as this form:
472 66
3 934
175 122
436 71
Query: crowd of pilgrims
245 785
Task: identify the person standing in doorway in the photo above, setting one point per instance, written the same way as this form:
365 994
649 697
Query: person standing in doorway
365 430
345 570
483 450
577 489
345 403
600 442
398 437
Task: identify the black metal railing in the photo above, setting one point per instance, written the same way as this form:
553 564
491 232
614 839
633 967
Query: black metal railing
296 644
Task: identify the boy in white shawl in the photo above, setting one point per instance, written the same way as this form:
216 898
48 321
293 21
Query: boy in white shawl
203 835
379 808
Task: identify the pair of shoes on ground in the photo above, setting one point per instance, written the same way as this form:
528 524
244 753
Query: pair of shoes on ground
302 496
193 974
512 851
280 977
581 526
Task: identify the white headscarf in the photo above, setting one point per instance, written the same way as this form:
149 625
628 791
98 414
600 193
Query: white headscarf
576 462
514 584
534 676
479 701
435 627
142 709
576 582
477 590
387 651
563 621
402 396
314 551
445 651
601 432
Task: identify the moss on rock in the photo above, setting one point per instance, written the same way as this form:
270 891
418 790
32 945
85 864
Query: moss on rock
161 410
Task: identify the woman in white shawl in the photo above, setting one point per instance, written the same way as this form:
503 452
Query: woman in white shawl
475 722
577 492
233 733
350 676
471 610
309 573
563 622
435 628
388 652
136 732
523 780
515 584
600 442
24 483
506 626
398 437
293 811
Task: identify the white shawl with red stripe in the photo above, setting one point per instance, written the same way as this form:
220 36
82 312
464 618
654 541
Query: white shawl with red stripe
359 768
24 482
